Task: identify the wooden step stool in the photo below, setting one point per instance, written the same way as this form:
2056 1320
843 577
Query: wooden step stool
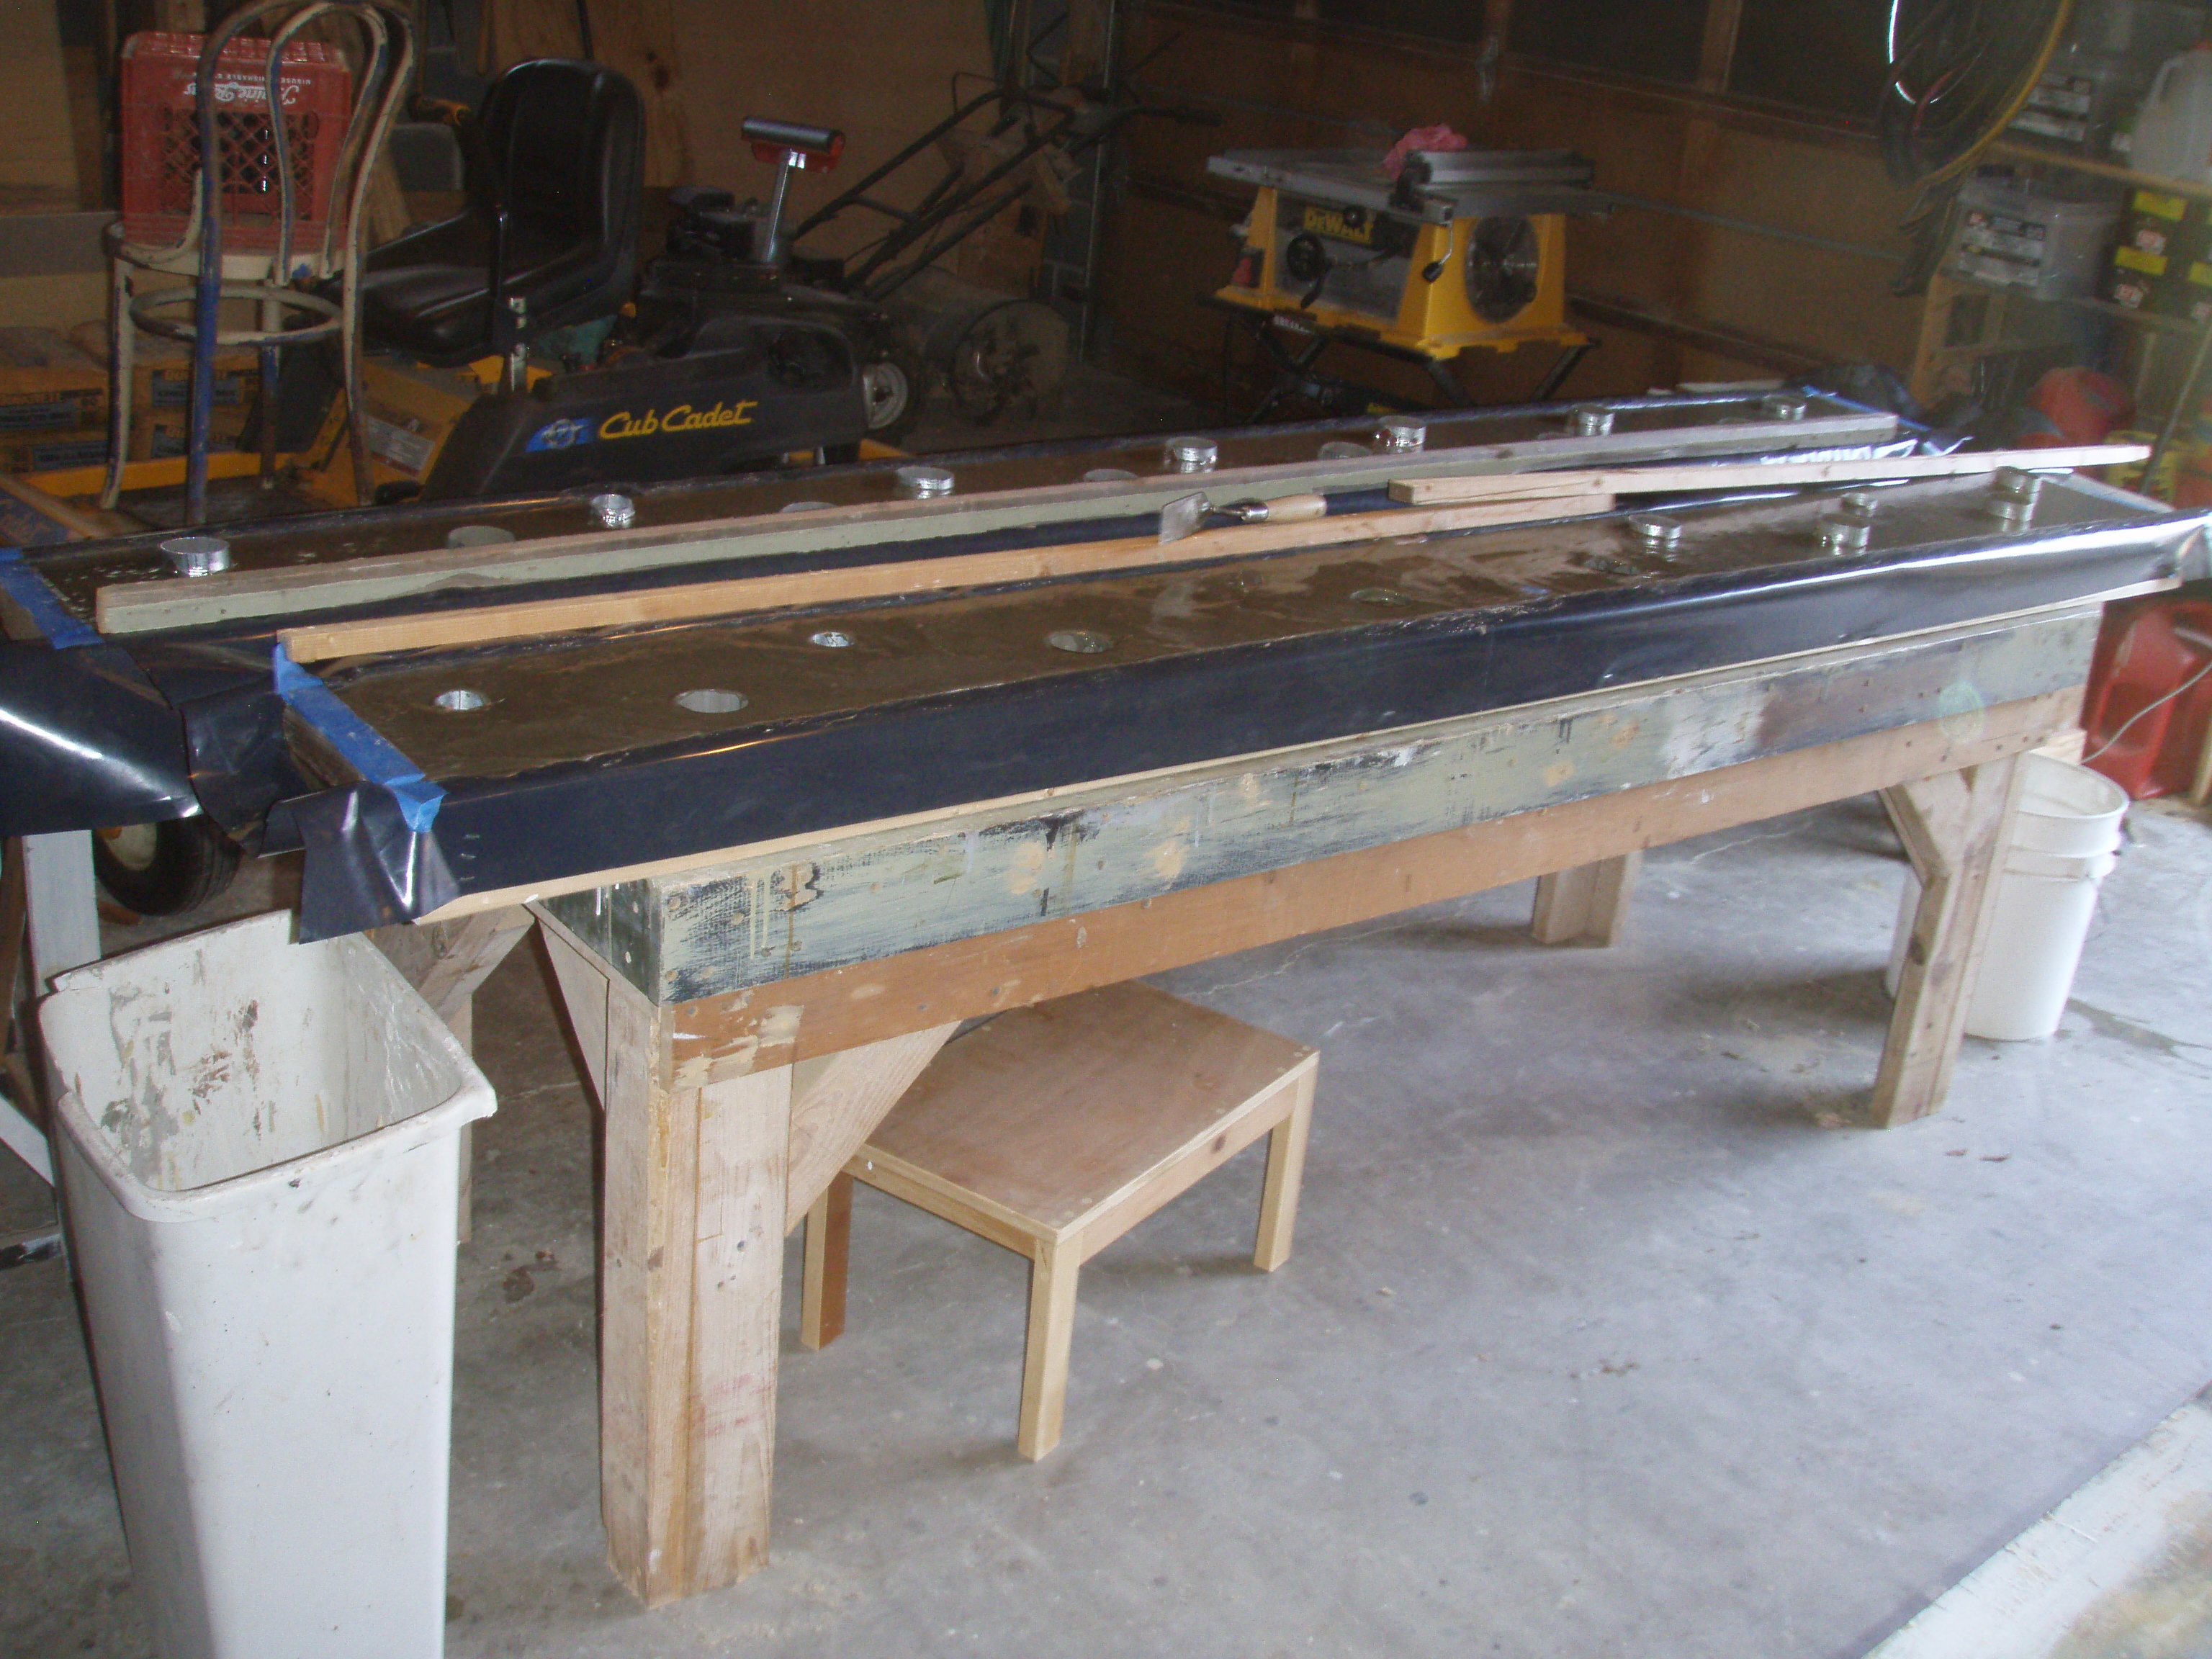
1054 1129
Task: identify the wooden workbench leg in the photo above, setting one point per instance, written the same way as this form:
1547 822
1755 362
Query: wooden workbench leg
1588 904
828 1256
62 904
1286 1167
692 1290
1053 1271
22 1103
446 962
584 993
838 1100
1954 829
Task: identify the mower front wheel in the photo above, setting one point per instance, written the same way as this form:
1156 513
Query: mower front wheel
894 381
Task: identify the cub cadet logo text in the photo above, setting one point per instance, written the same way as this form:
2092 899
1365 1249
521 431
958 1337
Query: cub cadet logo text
682 418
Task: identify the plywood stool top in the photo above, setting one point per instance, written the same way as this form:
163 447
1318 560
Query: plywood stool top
1048 1112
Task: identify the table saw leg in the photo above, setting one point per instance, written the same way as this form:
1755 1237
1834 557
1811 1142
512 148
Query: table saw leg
1955 828
1586 905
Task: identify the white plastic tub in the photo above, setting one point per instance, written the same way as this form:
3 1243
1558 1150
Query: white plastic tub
2044 242
2062 849
259 1166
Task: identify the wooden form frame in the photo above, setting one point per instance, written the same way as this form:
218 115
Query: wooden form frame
711 991
242 594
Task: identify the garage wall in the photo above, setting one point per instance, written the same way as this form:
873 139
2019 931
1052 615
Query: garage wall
1713 303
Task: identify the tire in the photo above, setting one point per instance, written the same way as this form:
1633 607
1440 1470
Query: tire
897 383
161 869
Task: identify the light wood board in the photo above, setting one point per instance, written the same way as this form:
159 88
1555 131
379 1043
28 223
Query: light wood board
487 624
1760 475
248 594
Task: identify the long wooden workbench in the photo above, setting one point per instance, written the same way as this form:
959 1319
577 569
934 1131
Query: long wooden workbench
748 1019
778 855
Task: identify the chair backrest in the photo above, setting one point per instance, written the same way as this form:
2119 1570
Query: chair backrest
567 139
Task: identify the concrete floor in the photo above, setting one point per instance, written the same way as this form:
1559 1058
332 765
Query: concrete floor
1610 1329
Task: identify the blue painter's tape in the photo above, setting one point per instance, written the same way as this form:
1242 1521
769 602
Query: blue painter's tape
366 749
48 614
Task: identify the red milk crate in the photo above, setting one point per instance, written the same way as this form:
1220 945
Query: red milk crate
161 140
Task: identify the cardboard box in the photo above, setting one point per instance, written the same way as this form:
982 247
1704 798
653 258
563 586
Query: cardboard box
52 451
2139 281
2174 226
2194 286
159 434
161 370
47 386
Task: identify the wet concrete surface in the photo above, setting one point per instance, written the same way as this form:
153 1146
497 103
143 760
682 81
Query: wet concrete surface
1610 1328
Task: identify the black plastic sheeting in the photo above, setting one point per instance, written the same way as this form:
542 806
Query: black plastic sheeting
92 735
162 726
364 868
86 739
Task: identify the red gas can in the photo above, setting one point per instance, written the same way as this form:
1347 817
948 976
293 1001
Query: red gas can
2152 649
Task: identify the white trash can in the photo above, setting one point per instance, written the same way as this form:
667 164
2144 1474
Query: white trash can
2063 847
259 1165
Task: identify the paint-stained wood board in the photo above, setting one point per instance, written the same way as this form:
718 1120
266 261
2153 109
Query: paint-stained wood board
796 909
868 1001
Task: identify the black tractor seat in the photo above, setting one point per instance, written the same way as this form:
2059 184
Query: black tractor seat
555 169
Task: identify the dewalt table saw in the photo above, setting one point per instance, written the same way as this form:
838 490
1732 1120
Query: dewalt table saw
1463 250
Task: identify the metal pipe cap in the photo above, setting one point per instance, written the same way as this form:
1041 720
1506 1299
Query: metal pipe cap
1193 454
920 484
196 555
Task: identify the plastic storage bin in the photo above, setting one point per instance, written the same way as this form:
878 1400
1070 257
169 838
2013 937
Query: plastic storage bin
260 1169
2049 246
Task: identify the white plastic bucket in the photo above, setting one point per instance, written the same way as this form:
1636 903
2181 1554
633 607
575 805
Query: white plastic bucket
2062 848
260 1169
2067 808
